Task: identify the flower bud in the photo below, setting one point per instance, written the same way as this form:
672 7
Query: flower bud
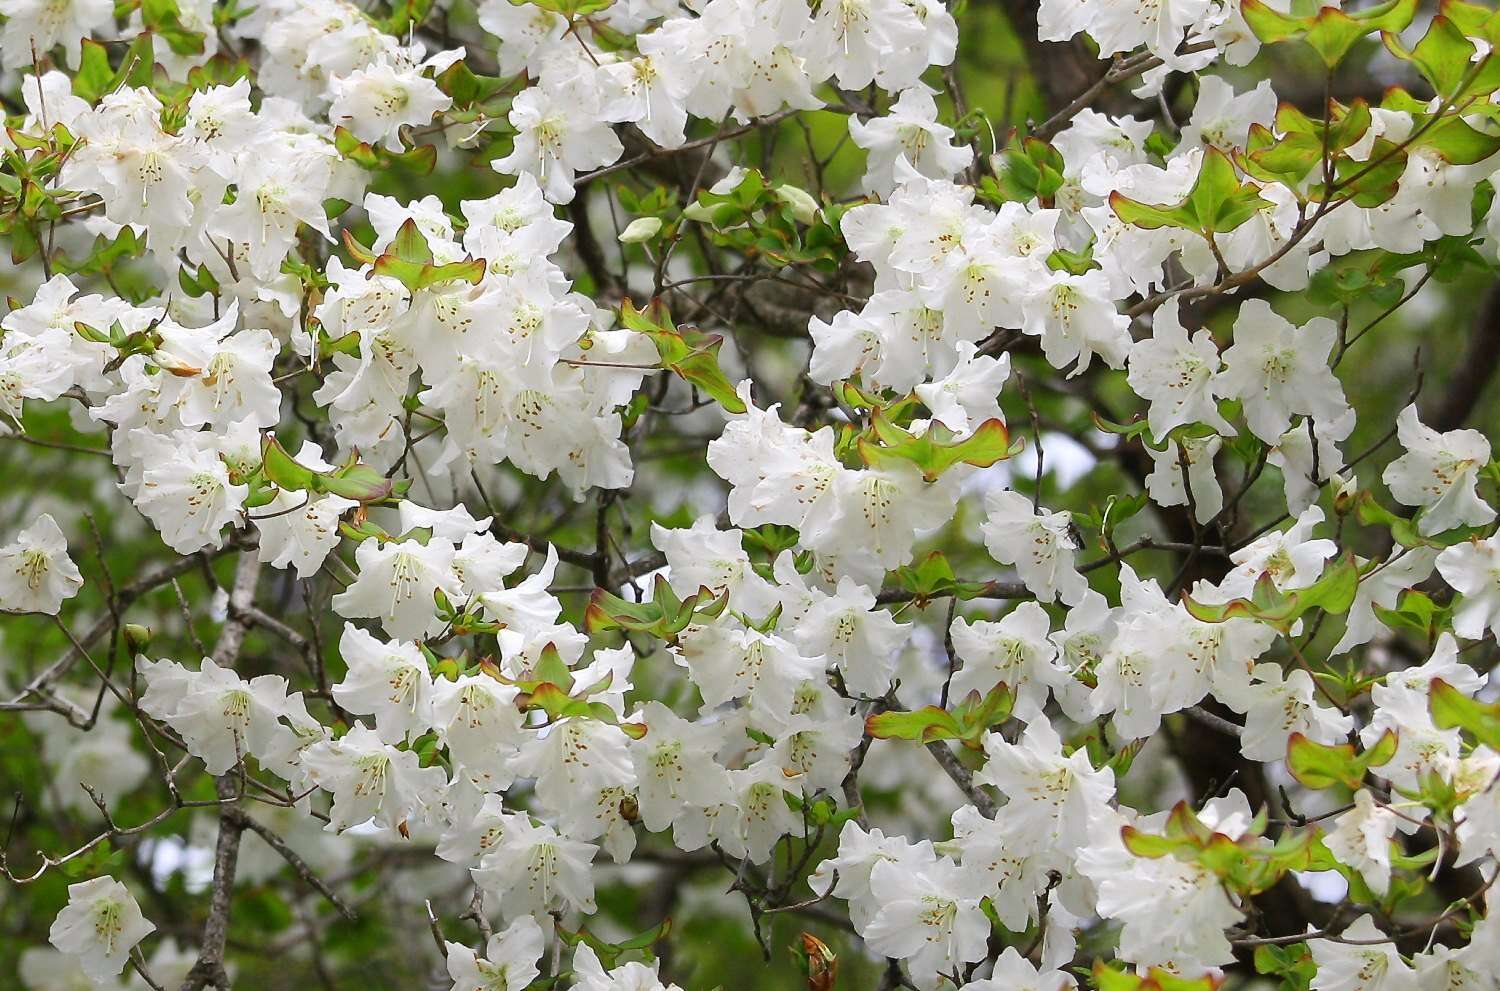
1345 493
802 205
640 229
137 638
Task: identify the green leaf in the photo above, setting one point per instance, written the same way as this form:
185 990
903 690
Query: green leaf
138 65
408 259
969 721
281 468
1072 262
925 725
1451 707
610 953
356 481
1330 32
1293 963
1442 56
1369 183
420 159
1457 141
935 451
1217 204
1446 54
406 16
1027 169
1320 765
1112 977
558 704
410 244
466 88
1333 592
164 17
687 352
1287 159
570 9
932 577
107 254
1415 611
664 616
1368 276
95 75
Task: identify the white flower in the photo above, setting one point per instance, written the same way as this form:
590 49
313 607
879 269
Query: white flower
674 765
1361 839
929 917
705 556
852 633
509 962
479 721
1439 472
34 367
396 584
1165 483
1290 557
1175 374
376 101
1362 963
389 681
1473 569
218 376
100 925
1276 705
40 25
1013 972
969 394
910 130
533 869
589 974
281 185
729 664
558 133
575 759
1016 651
649 92
371 779
187 493
1015 869
848 874
1173 912
1037 543
36 574
221 717
1277 369
1222 118
1076 318
1053 797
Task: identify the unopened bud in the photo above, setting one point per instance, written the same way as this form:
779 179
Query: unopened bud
1345 493
640 229
137 638
800 201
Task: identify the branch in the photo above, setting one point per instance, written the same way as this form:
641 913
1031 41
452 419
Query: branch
210 966
1472 374
295 861
962 777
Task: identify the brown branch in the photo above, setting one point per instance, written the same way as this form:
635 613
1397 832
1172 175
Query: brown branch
1472 375
232 822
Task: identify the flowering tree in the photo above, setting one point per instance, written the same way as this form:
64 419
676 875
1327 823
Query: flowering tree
605 493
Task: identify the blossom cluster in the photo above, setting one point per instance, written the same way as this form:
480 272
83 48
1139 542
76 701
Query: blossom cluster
887 667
